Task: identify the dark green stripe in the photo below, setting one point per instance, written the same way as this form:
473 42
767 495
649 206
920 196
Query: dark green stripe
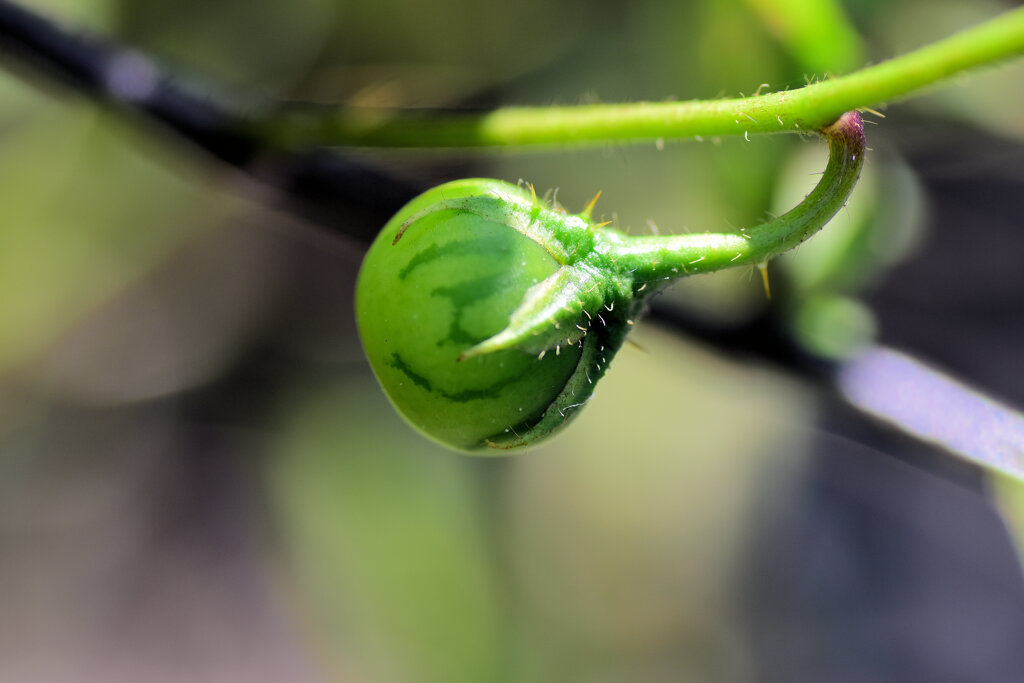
493 391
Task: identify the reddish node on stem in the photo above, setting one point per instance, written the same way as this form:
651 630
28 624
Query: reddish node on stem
849 126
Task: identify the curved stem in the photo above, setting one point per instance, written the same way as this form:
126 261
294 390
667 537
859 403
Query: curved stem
652 258
805 109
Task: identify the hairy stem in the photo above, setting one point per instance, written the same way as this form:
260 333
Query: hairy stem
654 258
805 109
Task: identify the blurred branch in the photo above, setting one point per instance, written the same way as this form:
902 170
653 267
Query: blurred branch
805 109
325 186
884 383
125 77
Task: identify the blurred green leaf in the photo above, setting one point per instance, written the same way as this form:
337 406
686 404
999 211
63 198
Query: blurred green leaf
387 534
82 215
816 33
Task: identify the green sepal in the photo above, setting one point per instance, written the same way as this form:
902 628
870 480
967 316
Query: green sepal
597 350
551 316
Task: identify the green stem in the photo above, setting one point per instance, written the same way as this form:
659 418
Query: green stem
806 109
658 258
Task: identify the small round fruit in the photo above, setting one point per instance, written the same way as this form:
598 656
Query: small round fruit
434 287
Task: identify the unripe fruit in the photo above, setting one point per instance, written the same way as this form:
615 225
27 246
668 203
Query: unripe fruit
451 281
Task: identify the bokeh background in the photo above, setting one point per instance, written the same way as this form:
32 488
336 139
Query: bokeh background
201 481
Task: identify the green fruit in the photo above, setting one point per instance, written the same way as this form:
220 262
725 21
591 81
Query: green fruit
488 317
452 281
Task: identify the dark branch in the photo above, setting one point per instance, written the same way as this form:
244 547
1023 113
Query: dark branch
324 186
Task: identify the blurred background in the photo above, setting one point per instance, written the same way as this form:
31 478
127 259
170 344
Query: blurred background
201 481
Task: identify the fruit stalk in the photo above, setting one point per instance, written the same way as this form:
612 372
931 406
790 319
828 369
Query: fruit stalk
657 258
